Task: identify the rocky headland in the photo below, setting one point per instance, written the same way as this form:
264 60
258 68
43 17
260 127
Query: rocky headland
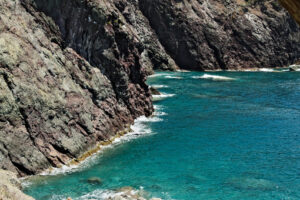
72 73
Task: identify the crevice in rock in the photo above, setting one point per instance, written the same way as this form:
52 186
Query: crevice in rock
216 51
62 150
19 167
22 169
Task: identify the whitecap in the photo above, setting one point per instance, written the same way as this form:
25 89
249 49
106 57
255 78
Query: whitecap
173 77
162 96
159 113
266 70
102 194
159 86
214 77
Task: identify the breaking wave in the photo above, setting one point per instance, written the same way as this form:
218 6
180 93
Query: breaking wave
214 77
159 86
161 96
173 77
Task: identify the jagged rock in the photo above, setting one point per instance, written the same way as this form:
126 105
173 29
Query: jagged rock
154 91
294 68
66 83
218 34
10 187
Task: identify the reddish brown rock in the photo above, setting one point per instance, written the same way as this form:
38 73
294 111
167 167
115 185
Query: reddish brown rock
65 84
218 34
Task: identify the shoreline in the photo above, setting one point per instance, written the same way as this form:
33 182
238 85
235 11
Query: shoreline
76 163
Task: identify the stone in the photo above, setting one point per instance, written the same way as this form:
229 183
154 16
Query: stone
94 180
154 91
294 68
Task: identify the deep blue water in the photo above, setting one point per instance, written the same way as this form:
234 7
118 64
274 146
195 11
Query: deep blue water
236 139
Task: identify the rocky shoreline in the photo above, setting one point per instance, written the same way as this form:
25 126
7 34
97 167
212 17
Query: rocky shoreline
72 73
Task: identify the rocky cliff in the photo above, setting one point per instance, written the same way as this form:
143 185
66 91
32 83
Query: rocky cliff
293 6
67 84
218 34
72 73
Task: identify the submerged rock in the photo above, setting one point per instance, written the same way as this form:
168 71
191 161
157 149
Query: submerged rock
246 183
94 180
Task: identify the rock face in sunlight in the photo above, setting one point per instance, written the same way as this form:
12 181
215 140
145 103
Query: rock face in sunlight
10 187
72 73
293 6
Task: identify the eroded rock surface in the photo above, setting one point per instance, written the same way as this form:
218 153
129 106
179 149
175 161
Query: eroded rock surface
218 34
10 187
63 90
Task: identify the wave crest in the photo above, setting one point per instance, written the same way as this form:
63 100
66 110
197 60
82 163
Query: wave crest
214 77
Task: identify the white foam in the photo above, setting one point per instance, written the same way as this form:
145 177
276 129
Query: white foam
101 194
139 128
157 75
182 70
214 77
159 86
173 77
266 70
162 96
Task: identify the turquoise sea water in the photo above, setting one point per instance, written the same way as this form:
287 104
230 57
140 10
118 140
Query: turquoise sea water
215 138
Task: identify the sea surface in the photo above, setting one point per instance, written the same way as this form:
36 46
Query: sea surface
214 136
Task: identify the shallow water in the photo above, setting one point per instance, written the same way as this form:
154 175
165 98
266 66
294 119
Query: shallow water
232 138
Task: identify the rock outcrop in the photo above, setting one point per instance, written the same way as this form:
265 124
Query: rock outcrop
66 84
218 34
10 187
293 6
72 73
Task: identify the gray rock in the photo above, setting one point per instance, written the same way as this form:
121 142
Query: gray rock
294 68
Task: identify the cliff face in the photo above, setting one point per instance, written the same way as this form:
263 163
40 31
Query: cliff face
218 34
72 73
63 90
293 6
